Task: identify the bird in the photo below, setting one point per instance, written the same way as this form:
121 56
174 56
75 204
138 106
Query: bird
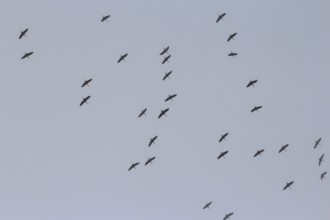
232 54
84 100
149 161
317 142
256 108
167 75
321 159
223 137
23 33
166 59
86 82
220 17
163 112
323 175
283 148
170 97
133 165
27 55
152 140
122 57
228 215
222 154
105 18
143 112
258 152
165 50
288 185
231 36
207 205
251 83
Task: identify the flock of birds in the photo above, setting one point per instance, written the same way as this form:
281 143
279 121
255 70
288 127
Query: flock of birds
163 112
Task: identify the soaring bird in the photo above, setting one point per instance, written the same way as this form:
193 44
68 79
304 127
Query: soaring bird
321 159
149 161
167 75
256 108
105 18
170 97
84 100
317 142
231 36
258 152
232 54
288 185
222 154
152 140
283 148
228 215
133 165
27 55
323 175
164 50
166 59
143 112
122 57
163 112
223 137
86 82
23 33
251 83
220 17
207 205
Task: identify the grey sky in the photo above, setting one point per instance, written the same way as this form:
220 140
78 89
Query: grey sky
59 161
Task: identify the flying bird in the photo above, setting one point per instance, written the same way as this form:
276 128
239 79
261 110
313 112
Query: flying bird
122 57
256 108
105 18
251 83
317 142
86 82
288 185
222 154
228 215
23 33
220 17
323 175
167 75
84 100
223 137
133 165
321 159
165 50
207 205
166 59
152 140
258 152
170 97
163 112
149 161
27 55
232 54
143 112
231 36
283 148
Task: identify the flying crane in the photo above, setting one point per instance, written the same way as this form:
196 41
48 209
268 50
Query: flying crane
23 33
122 57
27 55
105 18
86 82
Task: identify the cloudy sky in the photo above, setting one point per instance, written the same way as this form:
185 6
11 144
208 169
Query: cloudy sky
60 161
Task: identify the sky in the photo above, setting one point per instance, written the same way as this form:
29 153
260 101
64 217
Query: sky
62 161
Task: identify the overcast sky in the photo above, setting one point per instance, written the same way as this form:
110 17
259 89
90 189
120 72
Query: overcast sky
60 161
